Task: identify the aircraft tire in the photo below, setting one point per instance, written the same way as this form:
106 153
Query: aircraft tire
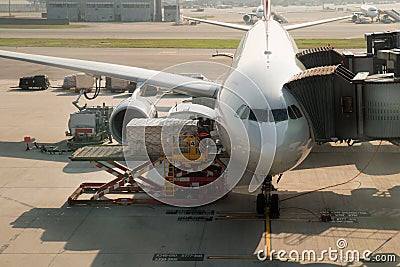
274 210
260 204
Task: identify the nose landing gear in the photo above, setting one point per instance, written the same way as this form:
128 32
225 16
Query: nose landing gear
266 199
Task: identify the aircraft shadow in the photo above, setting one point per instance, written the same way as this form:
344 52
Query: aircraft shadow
384 162
117 232
329 156
17 150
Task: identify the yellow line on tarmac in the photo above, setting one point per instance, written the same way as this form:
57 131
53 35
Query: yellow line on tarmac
267 232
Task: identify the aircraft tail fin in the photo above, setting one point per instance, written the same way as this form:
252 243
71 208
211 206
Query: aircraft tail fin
267 9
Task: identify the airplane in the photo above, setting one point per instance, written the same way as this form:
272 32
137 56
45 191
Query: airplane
366 11
224 6
249 19
261 125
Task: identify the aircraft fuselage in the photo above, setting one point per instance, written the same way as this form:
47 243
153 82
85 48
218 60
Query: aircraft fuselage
264 61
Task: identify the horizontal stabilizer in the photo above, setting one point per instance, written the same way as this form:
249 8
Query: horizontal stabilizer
223 24
312 23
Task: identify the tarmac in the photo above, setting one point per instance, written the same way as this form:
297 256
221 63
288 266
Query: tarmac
40 229
168 30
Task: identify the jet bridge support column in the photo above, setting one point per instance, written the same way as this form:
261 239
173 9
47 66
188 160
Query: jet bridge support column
358 81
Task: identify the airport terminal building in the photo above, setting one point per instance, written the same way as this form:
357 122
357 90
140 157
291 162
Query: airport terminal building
103 10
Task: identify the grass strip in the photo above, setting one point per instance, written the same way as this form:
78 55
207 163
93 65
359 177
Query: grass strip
166 43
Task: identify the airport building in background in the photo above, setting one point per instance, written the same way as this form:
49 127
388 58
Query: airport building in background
171 12
105 10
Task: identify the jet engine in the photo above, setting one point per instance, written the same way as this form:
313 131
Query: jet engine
127 110
247 19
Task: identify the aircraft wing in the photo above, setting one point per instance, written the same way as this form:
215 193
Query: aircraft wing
247 13
288 27
174 82
223 24
312 23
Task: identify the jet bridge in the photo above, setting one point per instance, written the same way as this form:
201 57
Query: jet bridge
320 56
352 97
343 106
393 14
382 55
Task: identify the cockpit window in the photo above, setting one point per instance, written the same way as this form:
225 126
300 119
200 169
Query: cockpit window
252 116
294 112
280 114
260 115
291 113
297 111
243 112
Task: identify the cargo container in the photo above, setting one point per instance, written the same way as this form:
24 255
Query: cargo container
34 82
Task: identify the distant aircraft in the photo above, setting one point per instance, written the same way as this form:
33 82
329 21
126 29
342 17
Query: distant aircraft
251 104
249 18
368 11
224 6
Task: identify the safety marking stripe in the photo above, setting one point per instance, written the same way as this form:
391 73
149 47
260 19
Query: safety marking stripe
267 232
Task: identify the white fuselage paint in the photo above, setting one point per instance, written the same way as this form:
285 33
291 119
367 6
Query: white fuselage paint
259 12
265 59
369 11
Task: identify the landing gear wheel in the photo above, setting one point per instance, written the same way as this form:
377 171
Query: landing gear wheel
266 199
260 204
274 209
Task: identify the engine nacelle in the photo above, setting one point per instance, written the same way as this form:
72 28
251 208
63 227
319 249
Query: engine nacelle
189 111
247 19
127 110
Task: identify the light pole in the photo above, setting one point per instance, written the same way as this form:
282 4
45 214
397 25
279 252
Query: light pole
9 8
66 10
178 15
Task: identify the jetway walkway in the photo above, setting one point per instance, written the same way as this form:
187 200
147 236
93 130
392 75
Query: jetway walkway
393 14
320 56
352 97
381 56
343 106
